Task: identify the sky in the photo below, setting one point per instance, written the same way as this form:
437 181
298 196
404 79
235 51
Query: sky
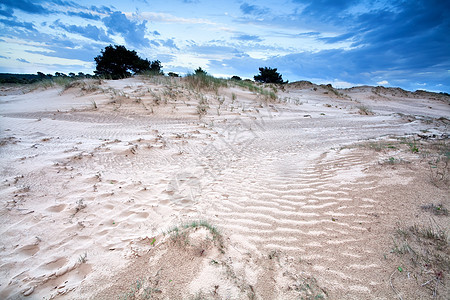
343 42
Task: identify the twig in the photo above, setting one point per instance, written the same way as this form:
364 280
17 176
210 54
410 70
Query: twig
392 286
423 284
435 288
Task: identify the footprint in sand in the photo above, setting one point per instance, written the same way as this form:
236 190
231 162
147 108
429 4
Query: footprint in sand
56 208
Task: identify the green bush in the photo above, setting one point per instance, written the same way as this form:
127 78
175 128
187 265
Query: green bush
268 75
116 62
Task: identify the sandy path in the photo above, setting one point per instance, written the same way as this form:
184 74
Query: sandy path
83 187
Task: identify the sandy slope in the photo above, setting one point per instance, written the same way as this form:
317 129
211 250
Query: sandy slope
94 176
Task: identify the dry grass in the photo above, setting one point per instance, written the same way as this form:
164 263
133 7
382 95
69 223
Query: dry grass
424 255
364 110
435 209
203 82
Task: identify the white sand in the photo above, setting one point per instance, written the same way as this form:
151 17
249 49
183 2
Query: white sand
87 193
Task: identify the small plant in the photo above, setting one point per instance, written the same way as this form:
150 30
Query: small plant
413 147
424 253
80 206
83 258
439 171
364 110
180 234
435 209
202 106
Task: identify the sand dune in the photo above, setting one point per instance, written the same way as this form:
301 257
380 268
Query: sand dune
307 191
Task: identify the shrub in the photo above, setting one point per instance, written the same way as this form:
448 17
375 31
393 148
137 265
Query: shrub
200 71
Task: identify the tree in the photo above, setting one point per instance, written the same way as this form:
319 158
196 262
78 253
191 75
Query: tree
200 71
237 78
117 62
268 75
156 67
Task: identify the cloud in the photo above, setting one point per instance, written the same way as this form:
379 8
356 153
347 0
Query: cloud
8 12
102 10
400 42
326 8
168 18
13 24
247 37
383 82
166 57
249 9
353 66
83 53
22 60
26 6
211 49
170 44
132 32
89 31
337 39
83 15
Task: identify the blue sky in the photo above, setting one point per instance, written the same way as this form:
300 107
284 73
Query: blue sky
342 42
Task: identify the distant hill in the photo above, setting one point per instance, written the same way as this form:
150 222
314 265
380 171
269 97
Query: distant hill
31 78
378 90
18 78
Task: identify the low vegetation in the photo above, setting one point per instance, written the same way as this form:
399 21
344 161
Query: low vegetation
181 232
364 110
424 256
201 81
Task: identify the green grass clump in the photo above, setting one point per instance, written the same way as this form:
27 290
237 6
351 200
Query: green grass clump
259 90
204 82
180 233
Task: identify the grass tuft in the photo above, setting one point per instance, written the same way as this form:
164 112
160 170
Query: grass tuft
438 210
180 234
424 252
204 82
365 110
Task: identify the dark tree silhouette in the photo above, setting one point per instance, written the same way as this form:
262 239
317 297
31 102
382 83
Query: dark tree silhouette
117 62
237 78
156 67
200 71
268 75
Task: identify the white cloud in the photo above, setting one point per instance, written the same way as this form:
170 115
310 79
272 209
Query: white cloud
383 82
167 18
